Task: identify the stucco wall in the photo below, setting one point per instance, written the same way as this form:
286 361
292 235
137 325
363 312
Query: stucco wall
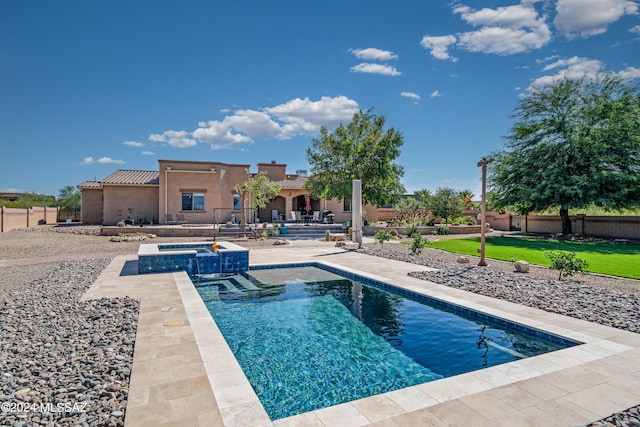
143 202
16 218
274 171
215 180
92 206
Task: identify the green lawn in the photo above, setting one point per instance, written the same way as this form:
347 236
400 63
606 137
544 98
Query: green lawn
605 258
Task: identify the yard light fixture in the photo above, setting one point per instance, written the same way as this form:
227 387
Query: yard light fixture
483 208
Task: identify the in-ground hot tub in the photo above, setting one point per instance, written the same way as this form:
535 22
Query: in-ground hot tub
193 257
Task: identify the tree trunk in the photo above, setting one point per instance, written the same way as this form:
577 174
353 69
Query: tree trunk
566 222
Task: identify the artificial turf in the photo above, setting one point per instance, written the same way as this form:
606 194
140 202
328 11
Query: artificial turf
613 259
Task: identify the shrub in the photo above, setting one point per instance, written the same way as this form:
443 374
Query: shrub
120 224
350 233
469 220
567 263
394 233
411 230
382 236
327 235
417 244
443 230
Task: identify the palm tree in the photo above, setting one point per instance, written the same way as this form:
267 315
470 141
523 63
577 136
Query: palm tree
467 196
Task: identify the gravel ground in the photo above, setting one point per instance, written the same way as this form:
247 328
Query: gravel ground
56 349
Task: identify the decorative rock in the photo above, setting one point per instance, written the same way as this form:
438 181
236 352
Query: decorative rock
278 242
59 349
340 243
462 260
522 266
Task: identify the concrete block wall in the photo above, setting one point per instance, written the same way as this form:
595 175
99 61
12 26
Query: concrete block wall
16 218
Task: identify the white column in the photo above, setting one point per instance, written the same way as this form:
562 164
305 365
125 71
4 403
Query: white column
356 212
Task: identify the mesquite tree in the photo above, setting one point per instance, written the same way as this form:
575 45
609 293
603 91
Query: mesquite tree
575 143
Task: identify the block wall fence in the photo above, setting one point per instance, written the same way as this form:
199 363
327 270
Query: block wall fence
609 227
15 218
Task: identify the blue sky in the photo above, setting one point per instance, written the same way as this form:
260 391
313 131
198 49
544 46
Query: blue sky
88 87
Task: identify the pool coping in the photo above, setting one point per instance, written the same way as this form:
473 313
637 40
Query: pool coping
563 385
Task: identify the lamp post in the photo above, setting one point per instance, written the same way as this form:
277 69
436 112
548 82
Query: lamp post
483 208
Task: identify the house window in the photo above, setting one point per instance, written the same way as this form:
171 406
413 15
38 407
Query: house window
236 202
192 201
346 205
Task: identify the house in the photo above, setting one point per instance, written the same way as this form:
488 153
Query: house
197 193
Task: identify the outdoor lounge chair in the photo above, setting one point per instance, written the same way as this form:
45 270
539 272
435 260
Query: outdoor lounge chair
169 219
180 219
295 218
316 217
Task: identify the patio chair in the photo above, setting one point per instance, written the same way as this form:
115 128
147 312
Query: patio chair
316 217
180 219
169 219
274 215
294 217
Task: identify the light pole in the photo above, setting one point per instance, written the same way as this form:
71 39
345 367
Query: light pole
483 208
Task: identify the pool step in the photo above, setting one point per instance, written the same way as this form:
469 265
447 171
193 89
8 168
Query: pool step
209 293
246 283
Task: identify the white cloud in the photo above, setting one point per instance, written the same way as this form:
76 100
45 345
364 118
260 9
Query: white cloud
439 46
148 153
585 18
103 160
635 29
177 139
577 68
243 126
373 54
370 68
303 116
411 95
502 31
630 73
435 94
133 144
219 135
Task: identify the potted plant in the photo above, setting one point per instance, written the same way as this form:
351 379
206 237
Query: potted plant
283 227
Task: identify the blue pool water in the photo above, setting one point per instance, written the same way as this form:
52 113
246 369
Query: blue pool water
309 338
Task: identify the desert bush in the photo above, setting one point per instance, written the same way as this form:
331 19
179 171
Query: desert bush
411 230
443 230
382 236
567 263
417 244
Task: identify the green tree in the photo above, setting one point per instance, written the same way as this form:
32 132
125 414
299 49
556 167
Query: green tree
409 209
574 144
446 203
261 188
361 150
27 200
69 197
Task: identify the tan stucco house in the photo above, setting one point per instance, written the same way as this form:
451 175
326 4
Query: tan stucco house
196 193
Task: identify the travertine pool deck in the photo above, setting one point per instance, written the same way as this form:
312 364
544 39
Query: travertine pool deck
184 374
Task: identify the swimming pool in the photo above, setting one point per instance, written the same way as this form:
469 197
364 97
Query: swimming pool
313 336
